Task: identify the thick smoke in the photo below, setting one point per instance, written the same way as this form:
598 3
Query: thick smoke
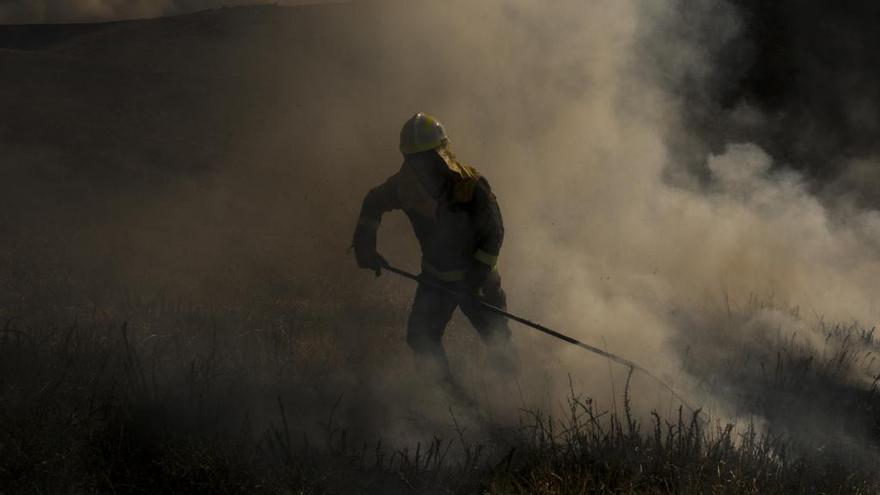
614 250
632 224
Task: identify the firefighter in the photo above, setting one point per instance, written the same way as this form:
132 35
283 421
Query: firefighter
456 219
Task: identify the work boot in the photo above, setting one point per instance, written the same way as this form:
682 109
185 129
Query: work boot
502 358
459 395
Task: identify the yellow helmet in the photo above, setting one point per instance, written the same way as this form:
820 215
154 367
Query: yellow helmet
422 132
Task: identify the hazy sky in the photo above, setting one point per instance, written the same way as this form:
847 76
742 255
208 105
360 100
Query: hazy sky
55 11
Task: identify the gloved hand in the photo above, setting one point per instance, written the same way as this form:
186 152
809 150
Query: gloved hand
370 260
476 277
365 250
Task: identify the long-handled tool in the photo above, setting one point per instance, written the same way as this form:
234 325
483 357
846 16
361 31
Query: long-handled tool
541 328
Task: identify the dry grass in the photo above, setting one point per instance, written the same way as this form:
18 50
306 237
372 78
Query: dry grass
183 400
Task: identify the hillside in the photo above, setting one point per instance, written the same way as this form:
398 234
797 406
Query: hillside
110 129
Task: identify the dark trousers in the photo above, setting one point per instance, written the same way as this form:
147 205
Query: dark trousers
432 309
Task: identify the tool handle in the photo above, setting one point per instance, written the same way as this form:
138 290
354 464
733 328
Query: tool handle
541 328
519 319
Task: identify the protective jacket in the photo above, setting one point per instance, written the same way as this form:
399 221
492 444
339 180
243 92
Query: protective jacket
452 209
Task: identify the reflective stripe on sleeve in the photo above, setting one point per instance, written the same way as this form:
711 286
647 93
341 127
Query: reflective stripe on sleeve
485 258
443 275
368 222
